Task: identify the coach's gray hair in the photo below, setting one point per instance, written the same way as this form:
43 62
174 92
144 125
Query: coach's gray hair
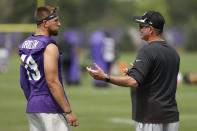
158 31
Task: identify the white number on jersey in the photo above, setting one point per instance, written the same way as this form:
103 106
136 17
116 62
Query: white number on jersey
30 62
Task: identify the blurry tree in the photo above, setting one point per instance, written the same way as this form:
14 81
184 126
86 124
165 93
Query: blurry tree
120 14
94 14
156 5
73 13
183 15
17 11
182 12
79 13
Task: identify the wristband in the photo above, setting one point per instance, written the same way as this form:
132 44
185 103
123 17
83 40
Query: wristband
107 79
66 113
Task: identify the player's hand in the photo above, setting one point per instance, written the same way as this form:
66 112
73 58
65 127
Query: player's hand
97 74
72 119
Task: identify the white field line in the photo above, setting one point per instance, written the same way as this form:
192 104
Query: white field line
121 120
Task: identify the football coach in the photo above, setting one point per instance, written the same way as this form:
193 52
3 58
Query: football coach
152 79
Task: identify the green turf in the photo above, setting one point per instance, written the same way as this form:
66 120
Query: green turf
97 109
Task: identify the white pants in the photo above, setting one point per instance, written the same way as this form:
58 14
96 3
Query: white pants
156 127
47 122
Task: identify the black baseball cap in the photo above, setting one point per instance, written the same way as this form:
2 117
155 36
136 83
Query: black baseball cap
151 18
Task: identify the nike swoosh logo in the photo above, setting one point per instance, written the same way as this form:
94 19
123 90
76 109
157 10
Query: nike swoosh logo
138 60
143 21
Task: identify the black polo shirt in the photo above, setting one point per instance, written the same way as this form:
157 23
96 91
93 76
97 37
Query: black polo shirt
155 69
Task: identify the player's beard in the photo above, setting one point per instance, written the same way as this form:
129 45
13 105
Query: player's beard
53 32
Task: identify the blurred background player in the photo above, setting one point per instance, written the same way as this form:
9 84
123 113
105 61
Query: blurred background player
190 78
96 46
69 48
109 51
4 55
6 47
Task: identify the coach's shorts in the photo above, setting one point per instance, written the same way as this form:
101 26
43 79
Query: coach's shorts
47 122
156 127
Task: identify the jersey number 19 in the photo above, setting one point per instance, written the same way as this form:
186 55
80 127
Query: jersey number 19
31 67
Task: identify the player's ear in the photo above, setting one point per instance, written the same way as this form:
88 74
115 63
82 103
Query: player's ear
45 23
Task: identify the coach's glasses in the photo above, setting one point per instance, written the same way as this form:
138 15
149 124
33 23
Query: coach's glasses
143 25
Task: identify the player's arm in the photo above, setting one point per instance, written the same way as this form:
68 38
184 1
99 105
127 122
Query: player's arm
98 74
51 57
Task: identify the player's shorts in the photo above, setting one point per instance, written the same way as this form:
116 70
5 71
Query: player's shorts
47 122
156 127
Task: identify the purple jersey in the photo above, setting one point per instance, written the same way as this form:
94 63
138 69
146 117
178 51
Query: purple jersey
32 77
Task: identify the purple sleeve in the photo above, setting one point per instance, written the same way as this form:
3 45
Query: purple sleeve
24 82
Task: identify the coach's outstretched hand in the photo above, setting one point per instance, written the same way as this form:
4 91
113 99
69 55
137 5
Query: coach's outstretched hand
125 70
98 73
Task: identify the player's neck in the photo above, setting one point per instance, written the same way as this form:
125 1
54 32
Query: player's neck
42 32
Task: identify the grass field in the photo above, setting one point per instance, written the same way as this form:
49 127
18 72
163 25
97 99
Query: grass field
106 109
